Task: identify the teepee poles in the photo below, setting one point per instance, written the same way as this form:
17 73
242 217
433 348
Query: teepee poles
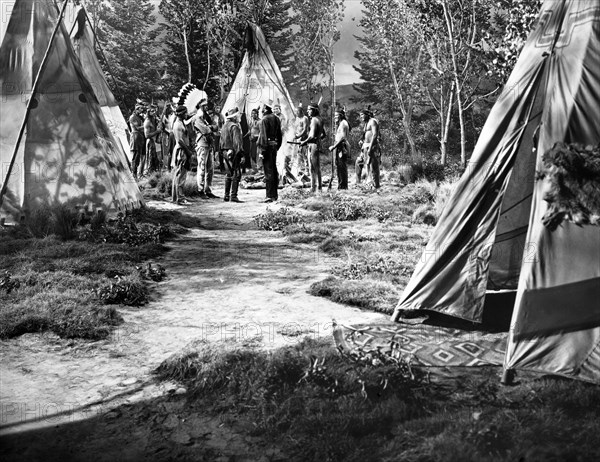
31 98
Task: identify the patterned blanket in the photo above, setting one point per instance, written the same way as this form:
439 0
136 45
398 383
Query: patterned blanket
425 345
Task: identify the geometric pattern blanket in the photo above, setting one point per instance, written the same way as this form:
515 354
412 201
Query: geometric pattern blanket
423 344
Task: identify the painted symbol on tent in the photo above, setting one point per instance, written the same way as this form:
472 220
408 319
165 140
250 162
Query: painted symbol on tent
576 19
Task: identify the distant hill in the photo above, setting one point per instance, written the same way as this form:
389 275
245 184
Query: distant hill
343 94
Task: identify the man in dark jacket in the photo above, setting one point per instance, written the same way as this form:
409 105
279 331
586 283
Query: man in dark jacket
269 142
232 149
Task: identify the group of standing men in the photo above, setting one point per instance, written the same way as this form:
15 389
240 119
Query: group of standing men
207 134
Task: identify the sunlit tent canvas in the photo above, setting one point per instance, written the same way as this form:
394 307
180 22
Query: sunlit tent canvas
490 236
258 81
82 35
67 153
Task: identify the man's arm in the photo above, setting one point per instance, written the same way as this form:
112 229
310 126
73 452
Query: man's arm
236 133
343 136
312 135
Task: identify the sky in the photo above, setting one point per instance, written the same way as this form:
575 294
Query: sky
344 49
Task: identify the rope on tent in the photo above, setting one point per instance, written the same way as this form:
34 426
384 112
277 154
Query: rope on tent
31 99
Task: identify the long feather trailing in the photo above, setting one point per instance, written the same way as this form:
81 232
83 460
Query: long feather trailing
190 96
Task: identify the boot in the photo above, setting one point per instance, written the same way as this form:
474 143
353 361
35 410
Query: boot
227 189
234 190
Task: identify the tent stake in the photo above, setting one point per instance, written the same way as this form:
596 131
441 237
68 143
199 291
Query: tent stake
29 103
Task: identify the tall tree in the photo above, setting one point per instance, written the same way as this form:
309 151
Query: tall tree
391 60
130 47
312 44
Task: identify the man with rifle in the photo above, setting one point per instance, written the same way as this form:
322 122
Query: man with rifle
313 141
341 149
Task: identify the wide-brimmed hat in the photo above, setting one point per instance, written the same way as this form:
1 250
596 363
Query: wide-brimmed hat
313 106
181 110
268 104
233 112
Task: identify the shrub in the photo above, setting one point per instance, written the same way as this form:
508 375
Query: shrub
125 230
39 223
63 221
277 220
442 196
347 208
425 214
124 291
8 284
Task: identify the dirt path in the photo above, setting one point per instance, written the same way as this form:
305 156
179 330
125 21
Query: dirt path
227 281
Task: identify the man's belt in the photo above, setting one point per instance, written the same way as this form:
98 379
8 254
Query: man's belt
272 143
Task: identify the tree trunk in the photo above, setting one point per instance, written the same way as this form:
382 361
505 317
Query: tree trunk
207 59
187 53
457 85
415 155
446 125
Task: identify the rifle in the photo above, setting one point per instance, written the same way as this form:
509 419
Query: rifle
333 153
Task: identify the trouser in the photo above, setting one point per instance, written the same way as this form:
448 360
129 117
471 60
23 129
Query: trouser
270 166
179 175
137 153
372 168
234 173
151 156
341 157
253 154
301 161
219 153
204 174
315 167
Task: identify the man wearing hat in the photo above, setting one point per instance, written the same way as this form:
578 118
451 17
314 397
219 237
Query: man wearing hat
269 142
182 155
205 130
233 153
341 148
136 141
152 128
315 134
370 152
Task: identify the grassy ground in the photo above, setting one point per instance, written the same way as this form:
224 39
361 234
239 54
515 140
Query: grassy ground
318 405
377 236
63 275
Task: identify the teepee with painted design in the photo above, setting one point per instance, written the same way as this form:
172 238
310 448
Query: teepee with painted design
55 144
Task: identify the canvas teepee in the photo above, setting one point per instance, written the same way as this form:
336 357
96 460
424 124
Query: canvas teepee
81 32
55 145
490 236
258 81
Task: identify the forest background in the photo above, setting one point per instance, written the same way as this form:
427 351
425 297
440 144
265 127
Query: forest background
430 69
